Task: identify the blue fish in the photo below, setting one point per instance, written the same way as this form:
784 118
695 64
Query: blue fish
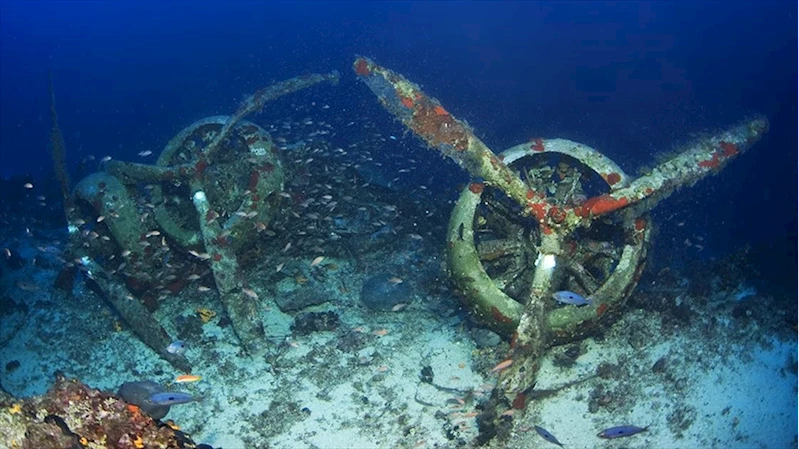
171 398
620 431
567 297
547 436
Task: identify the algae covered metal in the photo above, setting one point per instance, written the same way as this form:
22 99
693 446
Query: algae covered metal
529 225
214 186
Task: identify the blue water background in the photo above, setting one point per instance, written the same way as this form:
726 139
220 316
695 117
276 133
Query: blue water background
630 78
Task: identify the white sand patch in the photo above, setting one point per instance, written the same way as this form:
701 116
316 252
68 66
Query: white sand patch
407 379
703 397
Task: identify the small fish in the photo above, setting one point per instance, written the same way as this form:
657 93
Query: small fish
27 286
28 185
177 347
502 365
249 292
183 378
381 332
567 297
456 400
620 431
171 398
317 261
203 256
399 307
395 281
145 153
547 436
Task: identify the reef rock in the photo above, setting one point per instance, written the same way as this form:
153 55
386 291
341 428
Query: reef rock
383 292
72 415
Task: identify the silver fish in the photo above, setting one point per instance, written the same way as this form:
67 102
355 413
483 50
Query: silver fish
177 347
567 297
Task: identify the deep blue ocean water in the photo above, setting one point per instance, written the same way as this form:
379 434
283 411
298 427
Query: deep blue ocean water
629 78
632 79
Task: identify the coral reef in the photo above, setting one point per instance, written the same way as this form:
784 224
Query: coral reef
72 415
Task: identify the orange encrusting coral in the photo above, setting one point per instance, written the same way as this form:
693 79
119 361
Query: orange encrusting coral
612 178
556 214
440 110
600 205
712 163
725 151
361 67
538 210
728 149
437 128
537 145
476 187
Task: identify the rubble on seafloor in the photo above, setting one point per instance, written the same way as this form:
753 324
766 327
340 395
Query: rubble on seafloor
73 415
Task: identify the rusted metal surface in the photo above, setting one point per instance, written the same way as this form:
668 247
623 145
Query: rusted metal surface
425 116
232 171
242 309
533 322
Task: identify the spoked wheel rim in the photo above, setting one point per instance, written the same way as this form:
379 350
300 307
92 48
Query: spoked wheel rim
492 252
